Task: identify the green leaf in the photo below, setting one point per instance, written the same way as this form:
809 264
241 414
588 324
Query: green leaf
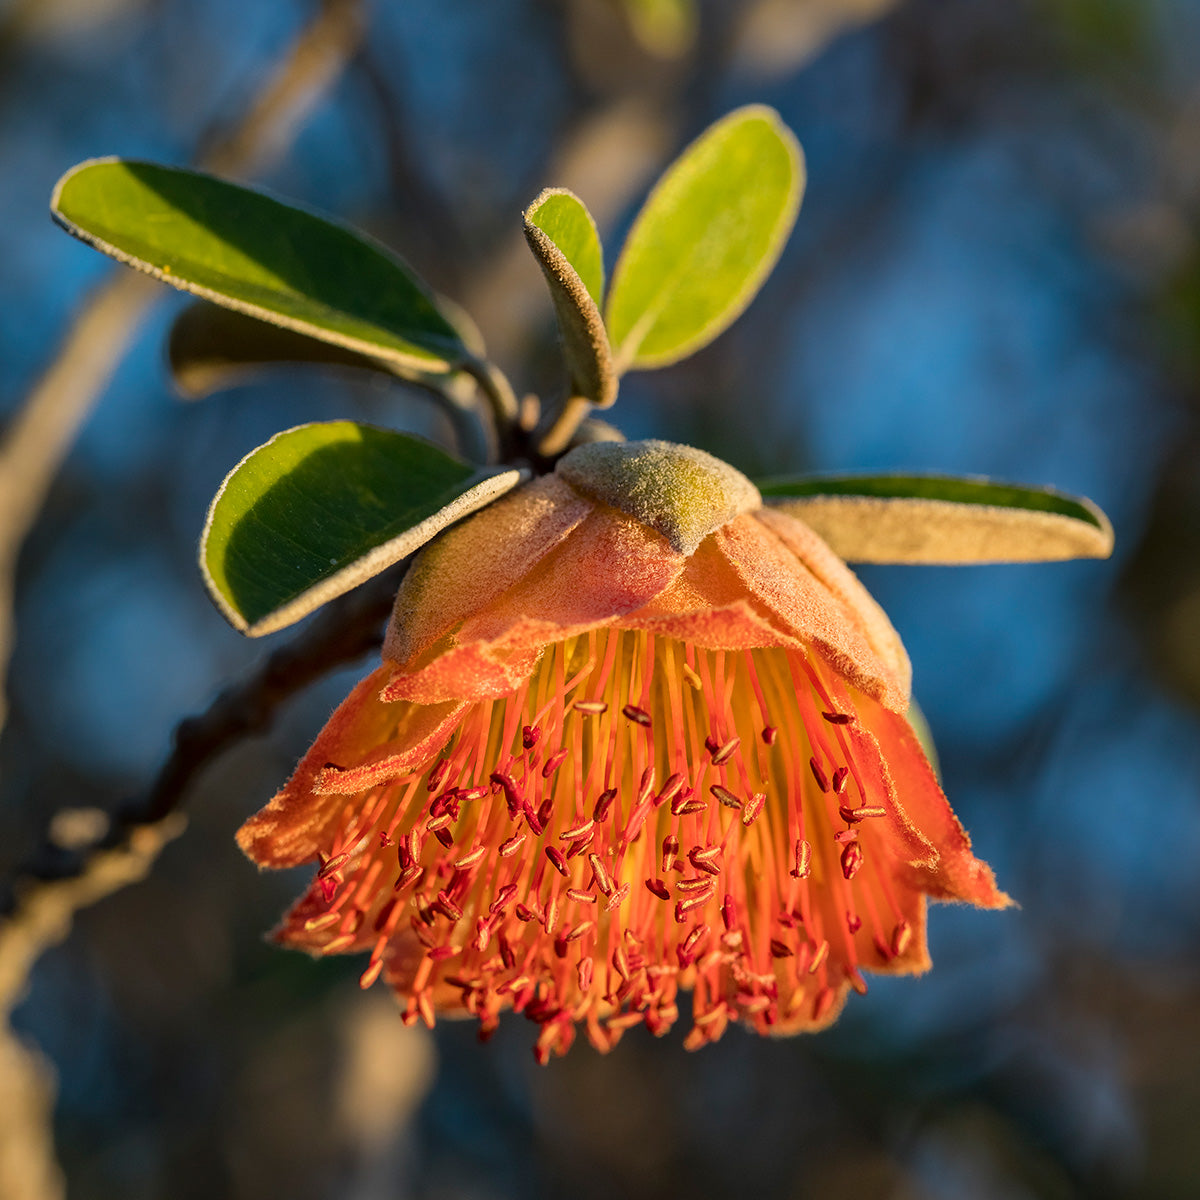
211 348
248 251
320 508
565 220
707 238
562 235
942 519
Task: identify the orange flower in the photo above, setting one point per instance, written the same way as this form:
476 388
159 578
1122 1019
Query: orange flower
633 733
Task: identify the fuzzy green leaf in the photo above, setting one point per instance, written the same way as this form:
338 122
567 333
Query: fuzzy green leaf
320 508
211 348
562 235
942 519
706 239
248 251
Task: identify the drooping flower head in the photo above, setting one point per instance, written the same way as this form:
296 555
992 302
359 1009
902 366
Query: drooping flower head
633 734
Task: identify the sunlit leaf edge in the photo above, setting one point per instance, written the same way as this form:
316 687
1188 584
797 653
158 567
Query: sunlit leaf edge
425 361
485 486
753 284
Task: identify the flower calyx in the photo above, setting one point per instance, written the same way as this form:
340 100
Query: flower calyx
678 491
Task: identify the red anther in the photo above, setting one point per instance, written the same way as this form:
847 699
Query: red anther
329 886
620 962
670 789
638 715
580 896
371 974
437 775
656 887
866 811
683 802
819 774
839 780
901 937
617 898
693 939
576 831
483 934
507 955
691 806
585 974
469 860
529 736
822 953
786 919
409 876
590 708
645 786
781 949
724 753
802 858
555 761
600 875
670 851
384 840
848 814
557 861
885 951
704 855
580 929
382 917
534 822
683 907
682 957
853 922
838 718
604 804
551 917
513 844
404 852
475 793
754 806
525 913
729 912
445 837
823 1002
697 883
725 796
332 865
447 907
852 860
441 953
769 734
845 836
438 822
512 794
560 946
711 744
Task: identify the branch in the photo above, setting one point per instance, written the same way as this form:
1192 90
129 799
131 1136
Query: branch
345 630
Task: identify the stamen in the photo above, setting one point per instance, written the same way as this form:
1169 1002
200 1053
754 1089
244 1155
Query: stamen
838 718
725 796
638 715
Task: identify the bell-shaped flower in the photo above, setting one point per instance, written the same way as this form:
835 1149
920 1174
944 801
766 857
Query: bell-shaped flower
634 734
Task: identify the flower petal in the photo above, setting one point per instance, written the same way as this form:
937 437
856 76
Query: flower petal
294 827
610 566
791 572
472 564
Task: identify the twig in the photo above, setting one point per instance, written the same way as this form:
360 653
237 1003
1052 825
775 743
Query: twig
343 631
